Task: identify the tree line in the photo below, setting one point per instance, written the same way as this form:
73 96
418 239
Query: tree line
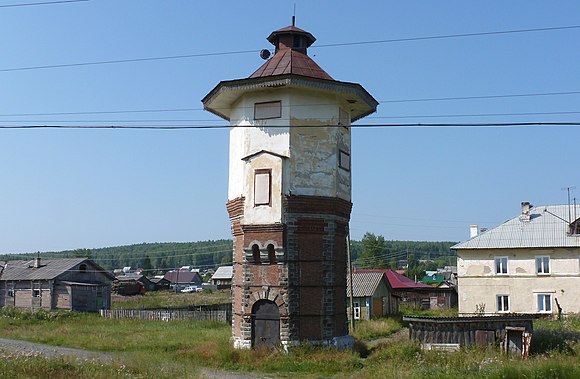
371 252
374 252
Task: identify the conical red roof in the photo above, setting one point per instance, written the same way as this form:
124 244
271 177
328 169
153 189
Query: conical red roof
291 55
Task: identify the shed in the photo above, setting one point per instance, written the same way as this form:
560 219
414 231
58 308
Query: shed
77 284
222 278
454 332
372 295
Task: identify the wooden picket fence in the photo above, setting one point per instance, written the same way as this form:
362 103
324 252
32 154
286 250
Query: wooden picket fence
168 314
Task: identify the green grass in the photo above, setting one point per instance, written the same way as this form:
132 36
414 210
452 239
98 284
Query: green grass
170 299
155 349
373 329
444 312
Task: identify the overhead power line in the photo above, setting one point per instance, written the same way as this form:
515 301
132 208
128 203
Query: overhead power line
42 3
403 125
497 96
446 36
370 117
198 55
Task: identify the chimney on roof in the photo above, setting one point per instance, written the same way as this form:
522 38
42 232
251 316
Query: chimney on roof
36 263
526 210
473 230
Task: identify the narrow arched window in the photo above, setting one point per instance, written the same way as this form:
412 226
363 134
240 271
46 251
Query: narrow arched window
256 253
271 254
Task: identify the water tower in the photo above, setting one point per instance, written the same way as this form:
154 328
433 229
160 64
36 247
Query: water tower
289 197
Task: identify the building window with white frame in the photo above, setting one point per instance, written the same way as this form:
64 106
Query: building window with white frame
543 265
503 303
544 303
501 265
356 310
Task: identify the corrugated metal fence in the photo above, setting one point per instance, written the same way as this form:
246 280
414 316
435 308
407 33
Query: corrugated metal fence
168 314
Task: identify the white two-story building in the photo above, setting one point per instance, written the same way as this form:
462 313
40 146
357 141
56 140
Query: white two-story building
529 264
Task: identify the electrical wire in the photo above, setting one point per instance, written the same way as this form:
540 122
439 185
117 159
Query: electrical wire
42 3
198 55
447 36
361 126
497 96
283 119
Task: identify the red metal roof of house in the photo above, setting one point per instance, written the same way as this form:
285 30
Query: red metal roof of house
291 55
398 281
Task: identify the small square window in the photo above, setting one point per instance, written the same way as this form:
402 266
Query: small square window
501 265
543 265
544 303
344 160
503 303
35 293
271 109
10 292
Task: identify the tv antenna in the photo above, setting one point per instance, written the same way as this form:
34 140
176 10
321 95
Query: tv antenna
569 210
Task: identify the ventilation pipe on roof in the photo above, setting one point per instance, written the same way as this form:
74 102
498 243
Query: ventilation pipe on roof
473 230
526 210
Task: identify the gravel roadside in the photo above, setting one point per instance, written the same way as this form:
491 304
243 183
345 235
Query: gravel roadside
49 351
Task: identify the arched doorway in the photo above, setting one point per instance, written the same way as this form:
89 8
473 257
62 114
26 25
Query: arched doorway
265 324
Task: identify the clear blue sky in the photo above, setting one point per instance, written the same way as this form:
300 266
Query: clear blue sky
67 189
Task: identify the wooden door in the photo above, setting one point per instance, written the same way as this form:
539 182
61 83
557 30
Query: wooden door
265 324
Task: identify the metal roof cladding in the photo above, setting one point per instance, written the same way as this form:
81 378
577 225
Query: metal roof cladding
290 67
546 226
48 268
291 55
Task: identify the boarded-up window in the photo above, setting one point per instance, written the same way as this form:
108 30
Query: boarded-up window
344 160
271 109
262 187
343 117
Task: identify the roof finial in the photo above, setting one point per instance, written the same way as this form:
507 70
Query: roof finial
294 16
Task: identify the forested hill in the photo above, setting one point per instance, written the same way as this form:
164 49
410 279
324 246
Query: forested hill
371 252
161 256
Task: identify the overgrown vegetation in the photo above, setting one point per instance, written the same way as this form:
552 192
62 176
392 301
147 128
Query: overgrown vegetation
443 312
169 299
373 329
179 349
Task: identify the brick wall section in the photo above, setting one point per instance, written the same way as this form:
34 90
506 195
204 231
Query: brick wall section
316 244
308 280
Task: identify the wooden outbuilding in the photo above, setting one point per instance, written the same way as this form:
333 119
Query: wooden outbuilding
76 284
513 332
